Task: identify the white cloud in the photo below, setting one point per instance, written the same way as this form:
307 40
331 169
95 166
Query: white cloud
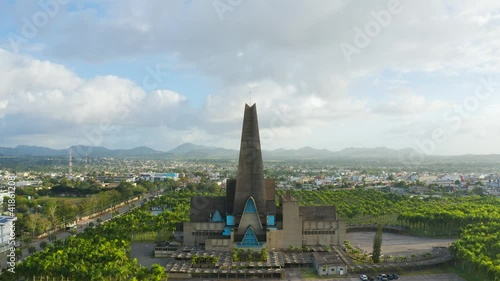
40 90
409 104
292 64
31 86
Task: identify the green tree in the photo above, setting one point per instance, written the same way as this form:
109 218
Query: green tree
236 257
377 245
263 255
158 273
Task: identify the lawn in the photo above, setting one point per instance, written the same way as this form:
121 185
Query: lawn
72 200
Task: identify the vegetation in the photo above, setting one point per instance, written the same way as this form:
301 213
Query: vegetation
377 245
434 216
38 211
103 252
475 219
204 259
478 249
352 204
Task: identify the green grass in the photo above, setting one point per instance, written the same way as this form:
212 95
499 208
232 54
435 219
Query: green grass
72 200
150 236
309 273
146 236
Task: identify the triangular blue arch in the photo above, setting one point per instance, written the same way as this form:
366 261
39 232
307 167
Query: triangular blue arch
217 217
250 206
250 239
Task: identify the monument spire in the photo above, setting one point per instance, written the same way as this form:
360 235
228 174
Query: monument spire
250 180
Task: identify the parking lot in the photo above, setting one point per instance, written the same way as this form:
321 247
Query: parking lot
143 252
394 244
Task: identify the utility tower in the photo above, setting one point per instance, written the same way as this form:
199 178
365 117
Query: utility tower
86 165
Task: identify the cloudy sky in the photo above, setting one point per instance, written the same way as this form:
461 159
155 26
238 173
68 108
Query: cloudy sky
326 74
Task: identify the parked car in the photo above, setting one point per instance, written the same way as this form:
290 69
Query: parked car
393 275
363 277
382 277
371 278
389 276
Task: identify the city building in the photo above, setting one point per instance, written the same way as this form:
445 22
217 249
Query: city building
6 232
248 216
159 176
327 263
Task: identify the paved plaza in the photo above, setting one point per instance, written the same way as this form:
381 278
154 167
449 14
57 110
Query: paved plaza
397 245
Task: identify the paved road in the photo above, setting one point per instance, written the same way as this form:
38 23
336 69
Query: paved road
426 277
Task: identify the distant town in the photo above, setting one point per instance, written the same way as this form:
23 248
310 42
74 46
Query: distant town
290 174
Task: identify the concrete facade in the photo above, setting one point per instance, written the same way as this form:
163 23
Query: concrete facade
329 264
248 216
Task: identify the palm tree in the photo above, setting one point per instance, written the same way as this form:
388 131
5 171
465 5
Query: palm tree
52 216
158 273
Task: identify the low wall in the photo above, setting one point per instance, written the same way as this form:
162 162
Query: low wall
373 227
441 256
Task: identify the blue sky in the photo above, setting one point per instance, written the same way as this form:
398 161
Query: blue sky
123 74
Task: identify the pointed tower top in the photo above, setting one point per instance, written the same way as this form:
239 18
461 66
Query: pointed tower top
250 181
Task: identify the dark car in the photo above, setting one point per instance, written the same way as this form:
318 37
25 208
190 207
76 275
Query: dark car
382 277
390 277
394 276
371 278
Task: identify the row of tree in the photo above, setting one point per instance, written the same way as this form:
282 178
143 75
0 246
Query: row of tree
479 249
476 219
351 203
441 216
38 214
448 215
103 252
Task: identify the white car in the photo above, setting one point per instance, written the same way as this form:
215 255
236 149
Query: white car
363 277
382 277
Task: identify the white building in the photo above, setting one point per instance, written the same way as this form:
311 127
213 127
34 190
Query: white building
6 231
159 176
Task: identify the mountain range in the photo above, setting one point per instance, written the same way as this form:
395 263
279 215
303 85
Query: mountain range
193 151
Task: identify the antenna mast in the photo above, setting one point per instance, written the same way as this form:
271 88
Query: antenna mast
86 164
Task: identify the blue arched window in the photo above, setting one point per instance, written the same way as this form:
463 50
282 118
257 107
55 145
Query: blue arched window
217 217
249 239
250 206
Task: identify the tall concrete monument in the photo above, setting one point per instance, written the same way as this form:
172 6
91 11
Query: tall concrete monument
248 216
